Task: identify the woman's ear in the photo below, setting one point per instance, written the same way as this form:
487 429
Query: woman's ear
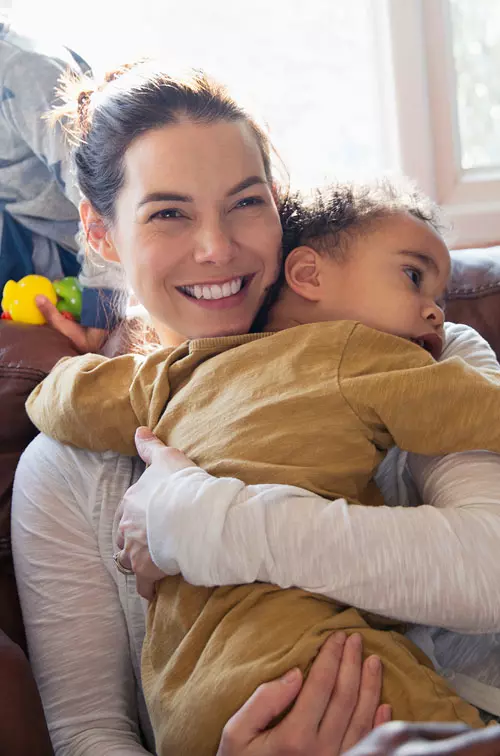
96 233
302 272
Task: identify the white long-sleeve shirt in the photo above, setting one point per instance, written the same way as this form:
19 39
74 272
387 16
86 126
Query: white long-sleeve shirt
220 532
85 621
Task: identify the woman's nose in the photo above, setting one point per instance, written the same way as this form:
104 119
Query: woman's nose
214 245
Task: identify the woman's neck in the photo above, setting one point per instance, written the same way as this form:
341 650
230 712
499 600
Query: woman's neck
168 337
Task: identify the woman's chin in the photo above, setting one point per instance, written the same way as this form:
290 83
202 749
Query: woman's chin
222 323
205 319
221 329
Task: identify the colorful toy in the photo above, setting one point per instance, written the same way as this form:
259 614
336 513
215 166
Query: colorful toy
18 301
69 292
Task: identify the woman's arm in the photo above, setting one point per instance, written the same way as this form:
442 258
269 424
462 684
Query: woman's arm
435 565
423 565
75 623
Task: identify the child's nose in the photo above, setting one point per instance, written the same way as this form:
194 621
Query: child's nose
434 314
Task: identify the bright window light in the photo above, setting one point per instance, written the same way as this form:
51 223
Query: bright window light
476 47
310 69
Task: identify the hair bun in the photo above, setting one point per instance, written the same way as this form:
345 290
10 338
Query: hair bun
83 103
123 69
112 75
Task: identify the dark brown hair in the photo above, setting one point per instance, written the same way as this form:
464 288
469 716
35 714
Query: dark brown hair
103 120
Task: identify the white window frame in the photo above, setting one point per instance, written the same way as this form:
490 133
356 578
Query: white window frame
419 56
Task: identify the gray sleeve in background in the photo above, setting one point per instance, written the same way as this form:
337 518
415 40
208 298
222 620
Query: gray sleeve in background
35 79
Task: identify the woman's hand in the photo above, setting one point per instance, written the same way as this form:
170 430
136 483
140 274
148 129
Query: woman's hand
336 706
132 537
429 739
84 339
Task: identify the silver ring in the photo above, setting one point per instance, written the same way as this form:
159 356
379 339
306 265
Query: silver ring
119 566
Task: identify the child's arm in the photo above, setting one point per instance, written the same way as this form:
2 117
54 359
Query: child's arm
402 396
85 401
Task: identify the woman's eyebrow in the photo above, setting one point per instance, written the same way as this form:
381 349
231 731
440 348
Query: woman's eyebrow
176 197
164 197
250 181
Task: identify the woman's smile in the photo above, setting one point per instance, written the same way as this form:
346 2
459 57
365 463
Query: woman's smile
218 295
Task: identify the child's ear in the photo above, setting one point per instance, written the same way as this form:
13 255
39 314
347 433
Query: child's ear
302 272
96 233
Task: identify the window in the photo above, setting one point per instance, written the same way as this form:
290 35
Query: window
458 63
475 30
348 88
309 68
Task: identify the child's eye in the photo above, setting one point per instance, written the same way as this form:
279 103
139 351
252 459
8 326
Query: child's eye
414 275
249 202
167 214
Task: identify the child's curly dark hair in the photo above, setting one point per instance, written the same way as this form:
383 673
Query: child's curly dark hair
327 219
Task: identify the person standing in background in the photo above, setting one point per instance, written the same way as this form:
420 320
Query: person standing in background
38 196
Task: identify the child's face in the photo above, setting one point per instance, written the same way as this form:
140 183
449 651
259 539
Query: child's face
393 278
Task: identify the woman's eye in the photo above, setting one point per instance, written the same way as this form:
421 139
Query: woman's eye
166 214
249 202
414 275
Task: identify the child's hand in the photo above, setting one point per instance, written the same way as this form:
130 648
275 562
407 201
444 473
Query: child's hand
84 339
337 705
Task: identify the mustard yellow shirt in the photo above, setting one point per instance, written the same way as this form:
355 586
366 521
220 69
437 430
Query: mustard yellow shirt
316 406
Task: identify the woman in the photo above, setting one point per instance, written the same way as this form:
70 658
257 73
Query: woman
177 185
195 199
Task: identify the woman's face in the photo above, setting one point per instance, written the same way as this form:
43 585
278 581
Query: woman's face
197 230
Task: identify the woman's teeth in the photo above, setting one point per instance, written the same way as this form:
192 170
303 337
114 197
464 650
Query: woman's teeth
215 291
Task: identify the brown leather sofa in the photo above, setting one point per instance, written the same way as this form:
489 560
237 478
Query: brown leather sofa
474 292
26 355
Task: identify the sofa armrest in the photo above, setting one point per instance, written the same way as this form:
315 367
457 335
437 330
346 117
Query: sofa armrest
473 295
27 354
23 729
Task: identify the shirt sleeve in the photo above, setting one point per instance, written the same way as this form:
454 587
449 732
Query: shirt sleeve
35 79
398 388
85 401
75 622
434 565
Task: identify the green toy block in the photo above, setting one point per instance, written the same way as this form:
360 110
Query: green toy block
69 292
